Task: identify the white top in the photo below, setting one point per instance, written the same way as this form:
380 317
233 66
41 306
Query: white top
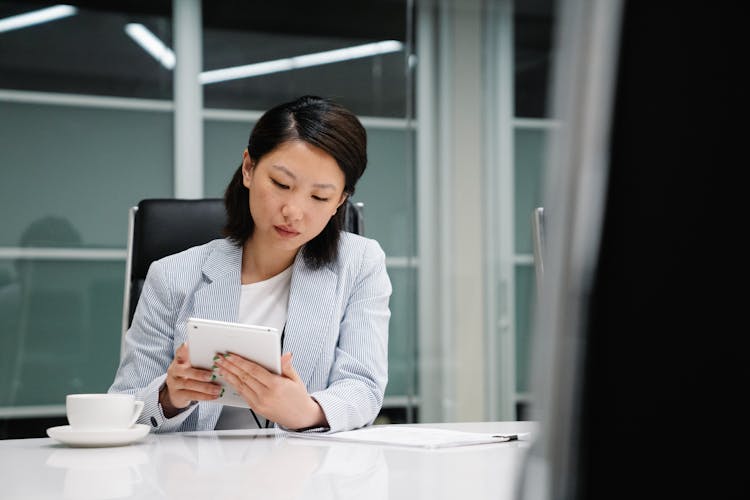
263 303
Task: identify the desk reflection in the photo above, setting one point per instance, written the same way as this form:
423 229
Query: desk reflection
347 471
106 473
236 463
233 466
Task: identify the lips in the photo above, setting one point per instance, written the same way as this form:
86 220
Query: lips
285 231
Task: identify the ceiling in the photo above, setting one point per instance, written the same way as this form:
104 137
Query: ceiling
89 53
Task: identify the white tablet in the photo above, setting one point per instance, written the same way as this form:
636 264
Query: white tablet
207 338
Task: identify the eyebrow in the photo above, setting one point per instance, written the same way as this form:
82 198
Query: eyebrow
290 174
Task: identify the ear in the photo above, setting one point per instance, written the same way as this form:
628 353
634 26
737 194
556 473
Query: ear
247 169
344 196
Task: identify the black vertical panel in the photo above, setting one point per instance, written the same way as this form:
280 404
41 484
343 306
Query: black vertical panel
665 384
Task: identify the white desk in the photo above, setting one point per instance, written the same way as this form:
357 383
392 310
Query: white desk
238 464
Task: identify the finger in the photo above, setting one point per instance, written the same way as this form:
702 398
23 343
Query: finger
248 392
247 371
177 370
198 396
232 372
287 369
194 374
182 354
183 384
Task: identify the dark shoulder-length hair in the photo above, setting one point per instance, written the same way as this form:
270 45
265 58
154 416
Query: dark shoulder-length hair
321 123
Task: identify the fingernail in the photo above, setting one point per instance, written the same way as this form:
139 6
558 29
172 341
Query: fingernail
213 377
214 366
226 354
222 392
216 357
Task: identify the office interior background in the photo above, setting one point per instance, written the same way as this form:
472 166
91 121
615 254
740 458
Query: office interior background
453 94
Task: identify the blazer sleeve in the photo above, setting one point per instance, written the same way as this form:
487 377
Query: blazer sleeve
149 350
359 373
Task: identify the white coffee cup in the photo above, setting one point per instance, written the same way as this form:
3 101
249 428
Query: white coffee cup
97 412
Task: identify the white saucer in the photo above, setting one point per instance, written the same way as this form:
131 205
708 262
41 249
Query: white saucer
92 439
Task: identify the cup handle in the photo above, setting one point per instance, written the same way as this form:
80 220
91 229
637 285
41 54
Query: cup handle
136 412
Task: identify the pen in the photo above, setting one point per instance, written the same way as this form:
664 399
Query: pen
511 437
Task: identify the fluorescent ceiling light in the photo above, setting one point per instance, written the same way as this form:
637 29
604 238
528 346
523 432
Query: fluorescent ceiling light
316 59
36 17
151 44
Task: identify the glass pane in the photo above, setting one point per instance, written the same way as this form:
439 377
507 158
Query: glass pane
88 52
273 32
531 152
533 36
224 142
372 86
59 328
525 300
402 333
70 174
388 193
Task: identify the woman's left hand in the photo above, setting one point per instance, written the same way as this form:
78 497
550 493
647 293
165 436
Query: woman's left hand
280 398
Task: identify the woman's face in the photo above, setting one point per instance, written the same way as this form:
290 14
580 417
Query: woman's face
294 191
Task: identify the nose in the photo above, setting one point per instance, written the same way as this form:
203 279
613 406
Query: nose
291 212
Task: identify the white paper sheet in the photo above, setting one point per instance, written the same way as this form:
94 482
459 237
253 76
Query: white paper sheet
421 437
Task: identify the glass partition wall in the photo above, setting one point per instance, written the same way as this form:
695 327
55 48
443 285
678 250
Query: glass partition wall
451 92
87 107
85 131
481 108
518 54
533 33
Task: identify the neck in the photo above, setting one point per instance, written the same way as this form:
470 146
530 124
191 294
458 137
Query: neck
259 264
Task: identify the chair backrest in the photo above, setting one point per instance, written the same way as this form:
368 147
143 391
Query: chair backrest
161 227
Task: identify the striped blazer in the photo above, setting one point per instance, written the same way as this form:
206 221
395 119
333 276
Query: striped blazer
337 329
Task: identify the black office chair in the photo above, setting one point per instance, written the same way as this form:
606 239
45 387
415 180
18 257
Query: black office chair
161 227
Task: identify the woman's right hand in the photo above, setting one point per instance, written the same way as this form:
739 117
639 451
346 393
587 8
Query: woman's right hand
186 384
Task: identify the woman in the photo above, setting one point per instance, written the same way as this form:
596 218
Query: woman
285 263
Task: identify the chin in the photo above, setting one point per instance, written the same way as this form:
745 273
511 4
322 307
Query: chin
290 244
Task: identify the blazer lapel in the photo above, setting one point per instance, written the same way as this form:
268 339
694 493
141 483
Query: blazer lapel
219 298
309 313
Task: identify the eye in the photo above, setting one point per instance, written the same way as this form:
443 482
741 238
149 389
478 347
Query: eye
319 198
279 185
